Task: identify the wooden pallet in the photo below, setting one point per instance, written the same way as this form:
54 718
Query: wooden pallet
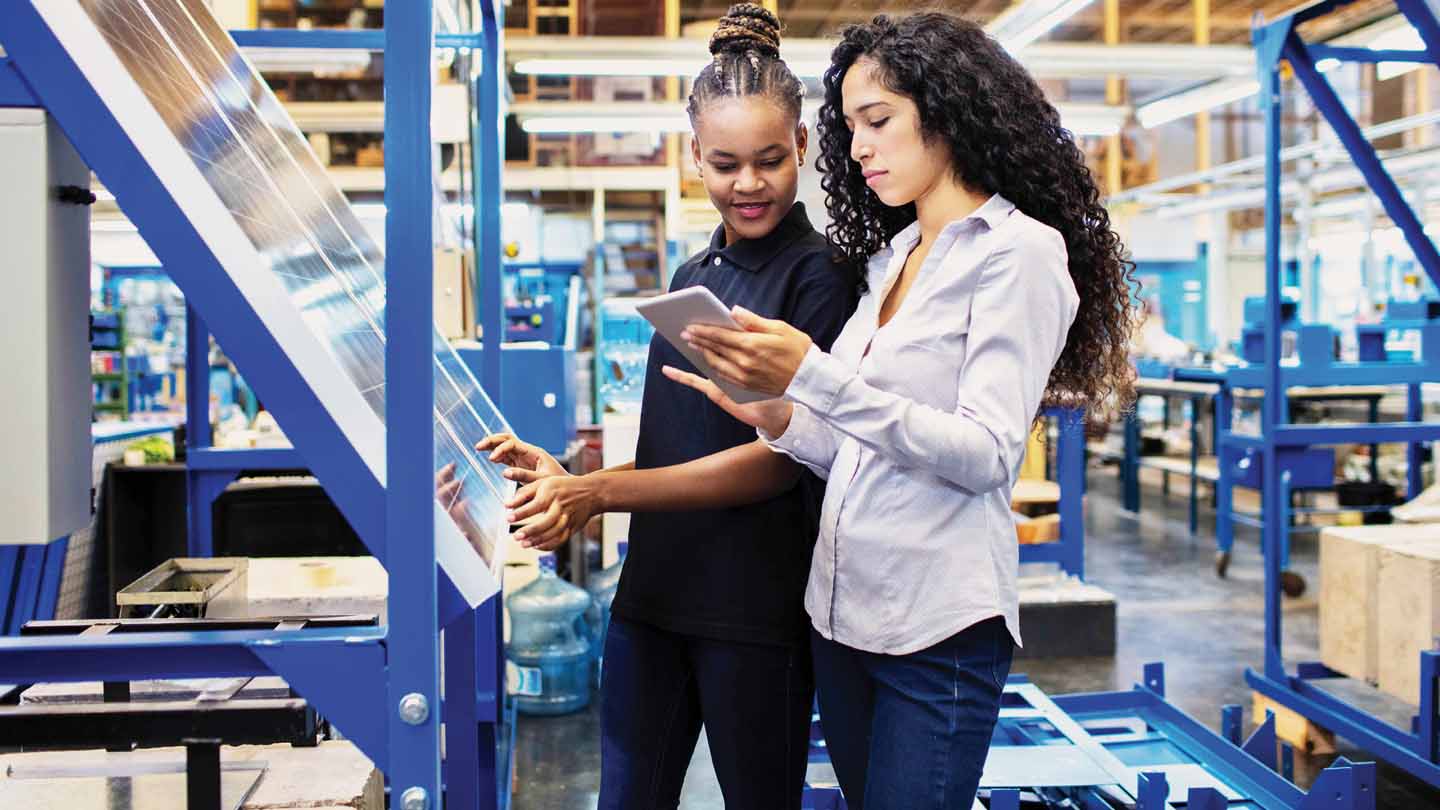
1293 728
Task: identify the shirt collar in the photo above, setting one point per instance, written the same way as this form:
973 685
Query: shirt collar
754 254
992 212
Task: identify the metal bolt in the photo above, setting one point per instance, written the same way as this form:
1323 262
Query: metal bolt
414 708
415 798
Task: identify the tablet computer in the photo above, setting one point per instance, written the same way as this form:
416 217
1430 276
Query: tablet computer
672 312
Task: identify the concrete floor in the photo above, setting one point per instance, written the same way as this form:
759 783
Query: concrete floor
1171 608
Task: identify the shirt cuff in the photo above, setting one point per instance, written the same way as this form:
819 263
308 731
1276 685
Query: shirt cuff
817 381
799 435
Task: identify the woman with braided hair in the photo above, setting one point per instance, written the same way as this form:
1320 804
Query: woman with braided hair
708 625
995 285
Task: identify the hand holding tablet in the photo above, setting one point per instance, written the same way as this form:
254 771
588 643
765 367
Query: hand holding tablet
672 312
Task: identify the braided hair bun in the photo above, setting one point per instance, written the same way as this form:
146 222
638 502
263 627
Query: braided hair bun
747 27
746 51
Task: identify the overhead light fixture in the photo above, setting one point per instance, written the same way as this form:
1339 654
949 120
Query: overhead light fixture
1028 20
1093 119
609 67
1189 102
1399 39
577 124
308 60
1393 34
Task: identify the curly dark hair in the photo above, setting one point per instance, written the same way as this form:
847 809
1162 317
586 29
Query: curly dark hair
1004 138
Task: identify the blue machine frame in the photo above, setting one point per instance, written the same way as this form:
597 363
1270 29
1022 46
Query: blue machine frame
1069 550
1099 750
382 664
1418 749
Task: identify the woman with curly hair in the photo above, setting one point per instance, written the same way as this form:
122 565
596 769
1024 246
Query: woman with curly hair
994 286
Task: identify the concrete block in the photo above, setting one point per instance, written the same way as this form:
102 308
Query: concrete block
332 774
308 586
1349 579
1408 616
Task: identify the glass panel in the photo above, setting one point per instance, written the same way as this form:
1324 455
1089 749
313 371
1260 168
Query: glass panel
257 162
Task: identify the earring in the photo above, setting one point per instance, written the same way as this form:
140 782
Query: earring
802 160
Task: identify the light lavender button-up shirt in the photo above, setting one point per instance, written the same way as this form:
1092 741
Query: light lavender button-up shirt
921 438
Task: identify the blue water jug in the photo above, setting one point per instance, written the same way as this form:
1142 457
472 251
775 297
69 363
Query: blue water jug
602 587
547 664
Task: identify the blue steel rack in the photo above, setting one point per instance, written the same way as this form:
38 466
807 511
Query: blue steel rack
1069 550
1134 748
381 666
1416 750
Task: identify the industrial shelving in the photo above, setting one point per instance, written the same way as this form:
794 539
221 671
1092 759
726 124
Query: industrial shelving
1280 49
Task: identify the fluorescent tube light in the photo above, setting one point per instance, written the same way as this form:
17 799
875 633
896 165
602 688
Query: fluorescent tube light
1093 119
1399 39
1189 102
641 67
308 60
553 125
1028 20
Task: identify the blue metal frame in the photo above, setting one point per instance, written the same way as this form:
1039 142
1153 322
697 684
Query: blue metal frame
14 92
30 582
1416 751
1128 740
379 667
1131 460
208 471
1069 550
414 643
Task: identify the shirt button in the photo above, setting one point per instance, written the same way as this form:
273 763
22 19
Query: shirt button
717 261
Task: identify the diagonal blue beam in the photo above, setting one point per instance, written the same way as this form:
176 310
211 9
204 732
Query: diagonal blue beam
92 129
1422 16
14 92
1380 181
1366 55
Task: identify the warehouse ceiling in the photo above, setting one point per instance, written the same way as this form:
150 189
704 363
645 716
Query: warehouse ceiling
1141 21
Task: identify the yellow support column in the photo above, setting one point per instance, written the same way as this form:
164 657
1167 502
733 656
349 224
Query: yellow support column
1420 81
1202 119
673 156
1114 94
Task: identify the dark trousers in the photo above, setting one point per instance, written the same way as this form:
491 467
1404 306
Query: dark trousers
658 688
911 732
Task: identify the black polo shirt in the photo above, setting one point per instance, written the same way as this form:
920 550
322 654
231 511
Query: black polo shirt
736 573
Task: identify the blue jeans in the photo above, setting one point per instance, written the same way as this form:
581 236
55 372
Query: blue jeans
658 688
911 732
